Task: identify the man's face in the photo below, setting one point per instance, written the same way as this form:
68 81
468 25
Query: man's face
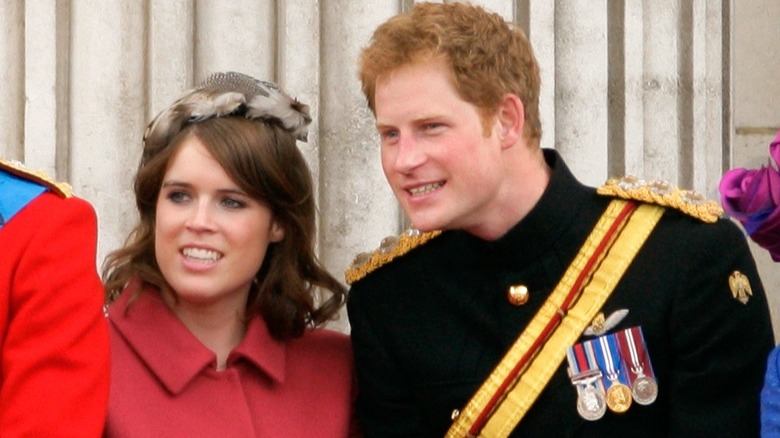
442 168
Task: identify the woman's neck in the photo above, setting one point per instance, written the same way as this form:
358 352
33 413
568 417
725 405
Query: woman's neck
219 328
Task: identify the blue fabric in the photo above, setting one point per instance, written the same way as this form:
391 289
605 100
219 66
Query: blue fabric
770 397
15 193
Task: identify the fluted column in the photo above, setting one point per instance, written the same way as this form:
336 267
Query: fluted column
12 80
358 207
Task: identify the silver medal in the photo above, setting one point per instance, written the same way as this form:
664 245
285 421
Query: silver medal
591 404
644 389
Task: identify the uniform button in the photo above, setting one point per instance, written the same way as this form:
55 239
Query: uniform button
517 294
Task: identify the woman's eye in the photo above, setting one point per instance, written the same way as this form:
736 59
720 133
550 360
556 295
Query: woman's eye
232 203
178 197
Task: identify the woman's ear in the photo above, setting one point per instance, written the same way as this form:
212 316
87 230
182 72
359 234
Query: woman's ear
511 120
277 232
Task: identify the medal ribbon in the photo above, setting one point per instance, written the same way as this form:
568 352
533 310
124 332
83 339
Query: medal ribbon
635 351
612 344
584 368
586 357
606 360
593 364
574 367
637 340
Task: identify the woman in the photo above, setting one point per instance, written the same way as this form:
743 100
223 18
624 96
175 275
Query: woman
215 298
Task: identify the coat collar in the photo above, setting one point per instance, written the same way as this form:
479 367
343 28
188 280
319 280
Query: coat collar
173 354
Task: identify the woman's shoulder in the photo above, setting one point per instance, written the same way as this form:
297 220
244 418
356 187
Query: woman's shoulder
322 342
324 357
325 336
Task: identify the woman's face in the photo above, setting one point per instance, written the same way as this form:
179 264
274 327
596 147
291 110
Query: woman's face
210 236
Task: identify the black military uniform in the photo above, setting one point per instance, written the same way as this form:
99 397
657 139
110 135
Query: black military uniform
429 327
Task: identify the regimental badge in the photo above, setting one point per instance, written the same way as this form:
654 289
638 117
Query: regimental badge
740 287
601 325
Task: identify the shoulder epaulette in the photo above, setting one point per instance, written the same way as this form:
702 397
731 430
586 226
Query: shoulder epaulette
18 169
390 248
664 194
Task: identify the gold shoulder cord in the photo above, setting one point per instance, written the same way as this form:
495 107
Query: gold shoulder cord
662 193
18 169
478 418
390 249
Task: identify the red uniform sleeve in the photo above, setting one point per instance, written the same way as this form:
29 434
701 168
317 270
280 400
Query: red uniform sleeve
54 359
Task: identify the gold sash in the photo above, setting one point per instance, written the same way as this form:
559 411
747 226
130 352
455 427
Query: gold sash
521 375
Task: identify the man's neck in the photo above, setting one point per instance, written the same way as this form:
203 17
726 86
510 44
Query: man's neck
527 176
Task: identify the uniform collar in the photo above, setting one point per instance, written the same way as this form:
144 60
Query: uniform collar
549 219
173 354
15 194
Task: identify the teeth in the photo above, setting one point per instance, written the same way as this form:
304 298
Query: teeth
201 254
424 189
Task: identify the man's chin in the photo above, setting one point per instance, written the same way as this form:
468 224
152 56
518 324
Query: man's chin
425 224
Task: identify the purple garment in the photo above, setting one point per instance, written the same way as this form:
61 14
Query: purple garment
752 196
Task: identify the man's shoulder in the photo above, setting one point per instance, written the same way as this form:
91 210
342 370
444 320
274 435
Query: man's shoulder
664 194
20 186
390 249
21 173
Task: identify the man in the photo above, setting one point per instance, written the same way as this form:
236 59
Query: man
613 316
54 354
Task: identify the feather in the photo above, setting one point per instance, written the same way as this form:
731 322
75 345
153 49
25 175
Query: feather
292 115
203 107
223 94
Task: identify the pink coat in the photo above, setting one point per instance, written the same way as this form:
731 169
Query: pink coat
164 382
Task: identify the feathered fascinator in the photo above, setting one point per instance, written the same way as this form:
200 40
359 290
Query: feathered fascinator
752 196
228 94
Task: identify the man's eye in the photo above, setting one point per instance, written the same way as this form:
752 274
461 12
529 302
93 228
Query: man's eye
389 134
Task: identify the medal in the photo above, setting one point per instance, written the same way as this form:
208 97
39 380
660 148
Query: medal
618 394
644 388
618 398
586 376
590 402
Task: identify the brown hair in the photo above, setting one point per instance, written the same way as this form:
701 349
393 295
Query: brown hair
263 159
488 57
